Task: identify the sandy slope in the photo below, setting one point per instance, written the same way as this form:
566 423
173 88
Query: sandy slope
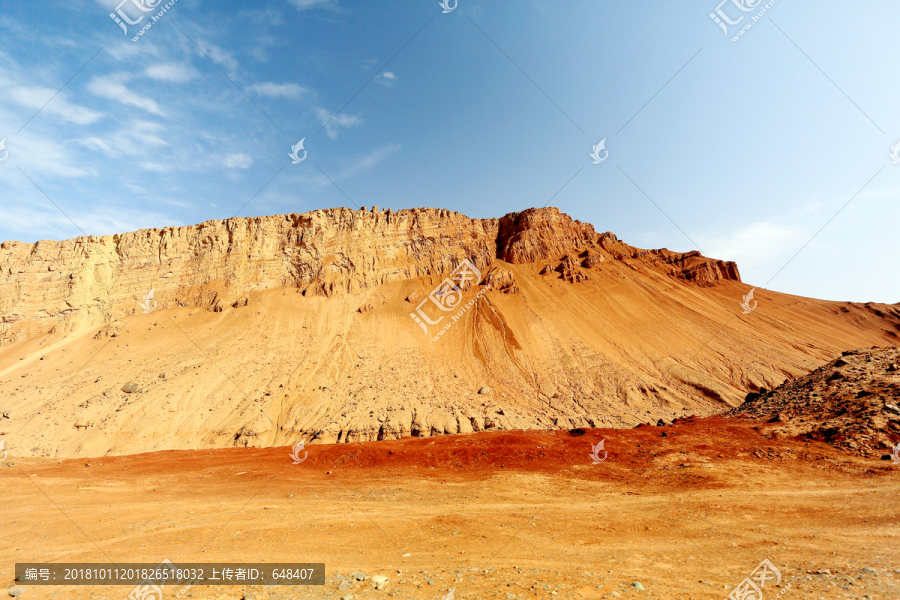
628 345
491 515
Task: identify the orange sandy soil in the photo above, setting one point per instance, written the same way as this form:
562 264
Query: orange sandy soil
491 515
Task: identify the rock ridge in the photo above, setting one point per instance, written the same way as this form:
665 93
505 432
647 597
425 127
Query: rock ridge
93 280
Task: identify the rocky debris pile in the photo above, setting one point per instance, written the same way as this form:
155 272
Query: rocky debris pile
851 402
501 280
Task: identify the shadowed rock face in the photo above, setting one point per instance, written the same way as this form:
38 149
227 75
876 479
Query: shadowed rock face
89 281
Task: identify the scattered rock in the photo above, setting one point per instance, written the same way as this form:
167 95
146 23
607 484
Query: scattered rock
637 585
577 432
358 575
16 591
365 308
484 390
131 387
7 414
162 375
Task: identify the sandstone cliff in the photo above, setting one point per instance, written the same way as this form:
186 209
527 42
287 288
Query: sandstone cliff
87 281
272 330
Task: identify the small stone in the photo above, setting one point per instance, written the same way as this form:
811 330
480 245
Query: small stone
15 592
429 581
823 572
162 375
344 585
637 585
484 390
869 570
407 555
347 597
358 575
892 408
130 387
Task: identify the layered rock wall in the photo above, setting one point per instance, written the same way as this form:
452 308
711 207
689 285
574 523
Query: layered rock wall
92 280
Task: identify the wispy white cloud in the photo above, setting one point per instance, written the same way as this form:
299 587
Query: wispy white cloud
238 161
175 73
387 78
369 161
112 88
36 97
134 139
221 57
755 246
334 123
310 4
278 90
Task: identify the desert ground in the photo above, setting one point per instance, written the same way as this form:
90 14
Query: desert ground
681 511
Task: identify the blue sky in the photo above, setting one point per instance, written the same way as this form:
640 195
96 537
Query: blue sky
745 149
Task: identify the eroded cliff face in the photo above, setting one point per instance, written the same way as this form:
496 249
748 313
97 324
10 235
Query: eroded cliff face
269 331
87 281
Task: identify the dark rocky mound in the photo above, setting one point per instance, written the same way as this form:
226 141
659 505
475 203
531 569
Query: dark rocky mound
851 402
